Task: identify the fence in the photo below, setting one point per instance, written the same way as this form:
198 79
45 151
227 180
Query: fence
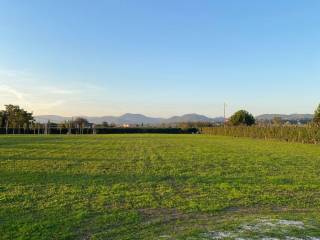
301 134
97 130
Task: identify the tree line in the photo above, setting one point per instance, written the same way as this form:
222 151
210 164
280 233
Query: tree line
244 118
16 120
15 117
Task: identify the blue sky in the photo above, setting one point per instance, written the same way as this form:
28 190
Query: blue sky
160 58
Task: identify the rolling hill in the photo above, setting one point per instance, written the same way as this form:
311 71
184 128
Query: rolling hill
130 118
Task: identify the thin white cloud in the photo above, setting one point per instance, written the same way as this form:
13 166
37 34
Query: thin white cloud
31 99
59 91
49 105
36 94
17 87
10 90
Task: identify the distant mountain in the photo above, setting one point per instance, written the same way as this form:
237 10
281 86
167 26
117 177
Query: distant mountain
290 117
193 117
51 118
130 118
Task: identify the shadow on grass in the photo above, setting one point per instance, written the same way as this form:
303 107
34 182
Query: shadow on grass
18 177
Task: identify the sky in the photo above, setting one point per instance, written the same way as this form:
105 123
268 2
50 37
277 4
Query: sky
160 57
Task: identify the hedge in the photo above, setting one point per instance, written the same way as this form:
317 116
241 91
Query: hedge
99 130
301 134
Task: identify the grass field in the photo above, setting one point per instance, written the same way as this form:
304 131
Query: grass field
157 187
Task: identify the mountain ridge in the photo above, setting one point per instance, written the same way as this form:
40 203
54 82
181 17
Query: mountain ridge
286 117
134 118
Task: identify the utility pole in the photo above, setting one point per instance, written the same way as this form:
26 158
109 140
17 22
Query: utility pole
224 112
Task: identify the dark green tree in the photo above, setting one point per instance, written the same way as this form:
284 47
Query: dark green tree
242 117
80 122
105 124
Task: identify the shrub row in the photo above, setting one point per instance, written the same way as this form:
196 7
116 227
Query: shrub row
99 130
146 130
301 134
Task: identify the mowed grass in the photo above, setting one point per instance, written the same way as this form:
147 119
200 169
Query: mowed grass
157 187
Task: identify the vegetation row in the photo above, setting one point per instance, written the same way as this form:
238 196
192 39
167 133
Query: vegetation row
109 130
301 134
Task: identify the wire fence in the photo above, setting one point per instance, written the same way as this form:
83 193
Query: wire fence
113 130
300 134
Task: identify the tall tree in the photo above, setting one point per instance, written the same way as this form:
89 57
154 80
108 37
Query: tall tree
17 117
105 124
242 117
80 123
3 119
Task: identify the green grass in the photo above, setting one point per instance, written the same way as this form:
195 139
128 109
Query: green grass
156 187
